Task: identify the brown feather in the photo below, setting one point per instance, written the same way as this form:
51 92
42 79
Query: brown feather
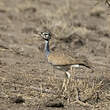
63 59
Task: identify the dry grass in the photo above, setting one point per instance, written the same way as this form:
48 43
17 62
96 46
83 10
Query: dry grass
82 92
27 81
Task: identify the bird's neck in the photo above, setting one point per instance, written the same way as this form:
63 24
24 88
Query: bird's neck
47 50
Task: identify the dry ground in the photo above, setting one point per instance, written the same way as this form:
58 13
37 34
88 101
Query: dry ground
27 81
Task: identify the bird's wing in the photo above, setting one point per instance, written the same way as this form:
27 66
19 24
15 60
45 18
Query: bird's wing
60 58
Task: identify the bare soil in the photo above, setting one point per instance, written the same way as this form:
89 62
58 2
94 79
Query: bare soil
80 28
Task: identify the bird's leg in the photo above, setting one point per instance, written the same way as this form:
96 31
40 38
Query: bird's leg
64 88
66 81
68 75
71 68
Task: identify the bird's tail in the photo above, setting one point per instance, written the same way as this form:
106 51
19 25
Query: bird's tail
86 63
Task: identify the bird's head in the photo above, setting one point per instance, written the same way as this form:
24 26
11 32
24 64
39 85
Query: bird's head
46 35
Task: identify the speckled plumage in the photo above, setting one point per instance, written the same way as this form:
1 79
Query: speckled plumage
60 59
64 59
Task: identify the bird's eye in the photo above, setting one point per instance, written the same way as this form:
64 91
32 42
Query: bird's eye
45 35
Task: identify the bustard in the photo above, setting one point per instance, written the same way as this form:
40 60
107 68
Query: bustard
62 60
65 62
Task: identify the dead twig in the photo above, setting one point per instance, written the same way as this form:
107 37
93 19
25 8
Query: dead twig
107 2
78 99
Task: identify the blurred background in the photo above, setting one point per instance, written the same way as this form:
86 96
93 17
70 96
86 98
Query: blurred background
78 27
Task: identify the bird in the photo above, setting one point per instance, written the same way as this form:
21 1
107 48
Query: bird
62 60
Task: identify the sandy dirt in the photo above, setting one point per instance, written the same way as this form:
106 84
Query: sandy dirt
80 28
